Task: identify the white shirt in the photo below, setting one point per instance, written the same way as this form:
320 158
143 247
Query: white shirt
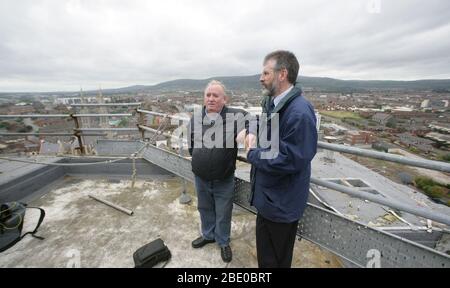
280 97
213 116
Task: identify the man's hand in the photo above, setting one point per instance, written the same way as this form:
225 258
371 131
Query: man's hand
250 141
240 138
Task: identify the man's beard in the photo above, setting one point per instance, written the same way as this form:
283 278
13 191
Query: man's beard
271 90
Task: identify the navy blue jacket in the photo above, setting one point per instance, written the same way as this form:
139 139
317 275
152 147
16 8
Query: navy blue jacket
280 186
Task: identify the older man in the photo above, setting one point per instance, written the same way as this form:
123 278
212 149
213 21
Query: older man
280 184
213 147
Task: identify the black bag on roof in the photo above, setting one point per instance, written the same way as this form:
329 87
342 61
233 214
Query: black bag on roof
151 254
12 215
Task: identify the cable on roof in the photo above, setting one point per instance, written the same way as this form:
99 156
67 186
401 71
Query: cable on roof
62 164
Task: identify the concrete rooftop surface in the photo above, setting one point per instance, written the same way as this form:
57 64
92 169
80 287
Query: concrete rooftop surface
82 232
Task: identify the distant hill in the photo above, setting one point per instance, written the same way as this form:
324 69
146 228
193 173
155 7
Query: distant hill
319 83
315 83
231 82
252 82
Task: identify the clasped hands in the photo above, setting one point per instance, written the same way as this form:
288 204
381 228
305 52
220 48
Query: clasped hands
249 140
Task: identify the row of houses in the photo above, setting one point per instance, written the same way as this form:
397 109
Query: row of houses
411 141
353 137
14 110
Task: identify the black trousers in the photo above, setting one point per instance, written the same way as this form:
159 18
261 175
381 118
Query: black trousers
274 243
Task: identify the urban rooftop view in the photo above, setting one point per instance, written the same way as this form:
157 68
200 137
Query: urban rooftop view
94 95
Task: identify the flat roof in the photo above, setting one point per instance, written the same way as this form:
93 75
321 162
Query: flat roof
81 231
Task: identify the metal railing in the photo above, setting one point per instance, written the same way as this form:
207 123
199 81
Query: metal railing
432 215
66 115
78 131
175 117
48 134
106 129
351 240
106 104
37 116
422 163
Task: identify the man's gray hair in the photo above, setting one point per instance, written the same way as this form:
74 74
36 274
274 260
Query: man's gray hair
218 83
285 60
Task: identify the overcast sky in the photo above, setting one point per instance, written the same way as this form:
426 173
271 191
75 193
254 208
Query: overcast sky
65 45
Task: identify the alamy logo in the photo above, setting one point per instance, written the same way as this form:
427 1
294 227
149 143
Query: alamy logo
75 258
374 257
374 6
